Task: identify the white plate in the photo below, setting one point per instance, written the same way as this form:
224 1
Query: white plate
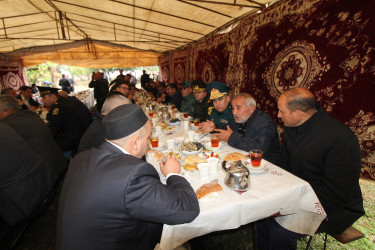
184 152
262 168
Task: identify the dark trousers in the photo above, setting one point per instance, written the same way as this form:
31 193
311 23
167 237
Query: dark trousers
271 236
99 104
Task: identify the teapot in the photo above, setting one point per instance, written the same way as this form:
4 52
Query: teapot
237 176
165 115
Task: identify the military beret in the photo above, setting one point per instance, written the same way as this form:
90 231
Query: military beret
198 86
123 121
217 90
185 85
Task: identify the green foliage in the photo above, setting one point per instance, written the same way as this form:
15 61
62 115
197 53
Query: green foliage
39 73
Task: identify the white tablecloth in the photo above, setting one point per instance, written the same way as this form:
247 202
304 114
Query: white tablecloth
276 192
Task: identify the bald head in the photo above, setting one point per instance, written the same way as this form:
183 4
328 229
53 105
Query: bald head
114 101
300 99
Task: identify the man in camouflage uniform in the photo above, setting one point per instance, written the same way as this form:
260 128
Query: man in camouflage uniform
202 102
221 115
64 121
188 99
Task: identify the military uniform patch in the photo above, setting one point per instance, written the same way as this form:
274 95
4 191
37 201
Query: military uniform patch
55 111
223 121
210 110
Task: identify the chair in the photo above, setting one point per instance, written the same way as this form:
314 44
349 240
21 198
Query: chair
349 235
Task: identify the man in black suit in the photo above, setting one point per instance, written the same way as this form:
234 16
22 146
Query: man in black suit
34 131
27 98
65 84
111 199
26 184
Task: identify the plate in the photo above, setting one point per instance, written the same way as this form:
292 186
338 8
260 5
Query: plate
184 152
174 123
261 169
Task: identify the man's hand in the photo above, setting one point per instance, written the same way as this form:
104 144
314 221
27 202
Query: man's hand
171 165
224 134
206 127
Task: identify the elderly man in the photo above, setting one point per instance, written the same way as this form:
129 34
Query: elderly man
325 153
188 99
175 97
94 135
64 121
202 103
27 98
253 129
221 116
118 198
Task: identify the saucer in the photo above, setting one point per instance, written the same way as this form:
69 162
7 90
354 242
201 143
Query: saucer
259 170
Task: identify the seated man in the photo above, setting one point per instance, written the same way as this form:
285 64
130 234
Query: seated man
94 135
325 153
175 97
202 102
253 129
27 98
221 115
118 198
26 184
80 106
188 99
122 87
34 131
64 121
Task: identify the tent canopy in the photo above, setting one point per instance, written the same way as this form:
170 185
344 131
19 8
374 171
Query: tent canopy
109 33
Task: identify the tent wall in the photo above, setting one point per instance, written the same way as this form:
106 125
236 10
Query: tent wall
12 74
327 46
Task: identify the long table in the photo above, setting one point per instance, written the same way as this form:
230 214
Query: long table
275 193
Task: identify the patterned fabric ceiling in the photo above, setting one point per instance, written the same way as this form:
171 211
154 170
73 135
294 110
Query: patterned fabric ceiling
144 25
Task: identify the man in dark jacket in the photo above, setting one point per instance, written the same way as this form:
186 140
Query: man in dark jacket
26 184
111 199
27 98
175 96
325 153
64 121
101 90
94 135
202 102
34 131
253 129
65 84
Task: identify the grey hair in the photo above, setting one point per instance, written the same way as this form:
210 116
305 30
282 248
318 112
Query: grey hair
114 101
9 102
249 99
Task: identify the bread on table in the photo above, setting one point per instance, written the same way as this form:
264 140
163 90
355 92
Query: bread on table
191 162
209 191
235 157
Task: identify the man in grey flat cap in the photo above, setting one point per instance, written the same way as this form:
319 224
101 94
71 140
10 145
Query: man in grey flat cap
111 199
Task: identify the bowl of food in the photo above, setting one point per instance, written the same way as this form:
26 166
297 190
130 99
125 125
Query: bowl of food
174 122
190 148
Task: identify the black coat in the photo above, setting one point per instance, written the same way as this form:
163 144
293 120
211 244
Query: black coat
111 200
93 137
66 125
261 133
201 109
36 133
326 153
25 178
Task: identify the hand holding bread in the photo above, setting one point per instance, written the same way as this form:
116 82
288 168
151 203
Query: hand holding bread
171 165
